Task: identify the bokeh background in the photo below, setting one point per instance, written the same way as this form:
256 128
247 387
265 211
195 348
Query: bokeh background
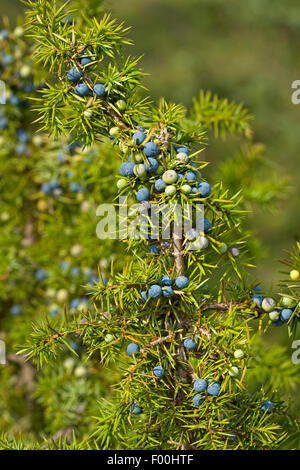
245 51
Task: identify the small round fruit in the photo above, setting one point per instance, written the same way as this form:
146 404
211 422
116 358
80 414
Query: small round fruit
181 282
88 113
234 252
151 149
294 275
132 349
166 280
160 185
151 165
223 248
155 291
267 406
288 302
186 189
257 299
114 131
82 89
143 194
74 74
268 304
139 137
233 371
190 344
197 399
170 190
214 389
109 338
167 291
136 409
121 184
200 385
204 189
170 177
158 371
238 354
121 105
182 157
274 315
99 90
126 169
285 314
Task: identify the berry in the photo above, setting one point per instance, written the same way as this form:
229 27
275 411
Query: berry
154 249
274 315
74 74
121 184
3 122
257 299
132 349
200 385
204 189
182 157
139 137
186 188
170 177
40 275
197 399
214 389
170 190
268 304
181 282
166 280
114 131
15 310
140 170
144 296
136 409
294 275
238 354
234 252
126 169
109 338
190 176
151 165
85 60
76 187
288 302
182 150
201 243
151 149
233 371
143 194
155 291
207 225
121 105
190 344
278 322
267 406
286 314
158 371
167 291
257 289
99 90
82 89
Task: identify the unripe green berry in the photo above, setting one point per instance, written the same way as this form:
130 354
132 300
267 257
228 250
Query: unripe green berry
137 157
170 190
294 275
170 177
274 315
186 188
233 371
238 354
140 171
109 338
114 131
223 248
121 184
121 105
88 113
288 302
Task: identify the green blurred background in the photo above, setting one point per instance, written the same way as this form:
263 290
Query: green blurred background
245 51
